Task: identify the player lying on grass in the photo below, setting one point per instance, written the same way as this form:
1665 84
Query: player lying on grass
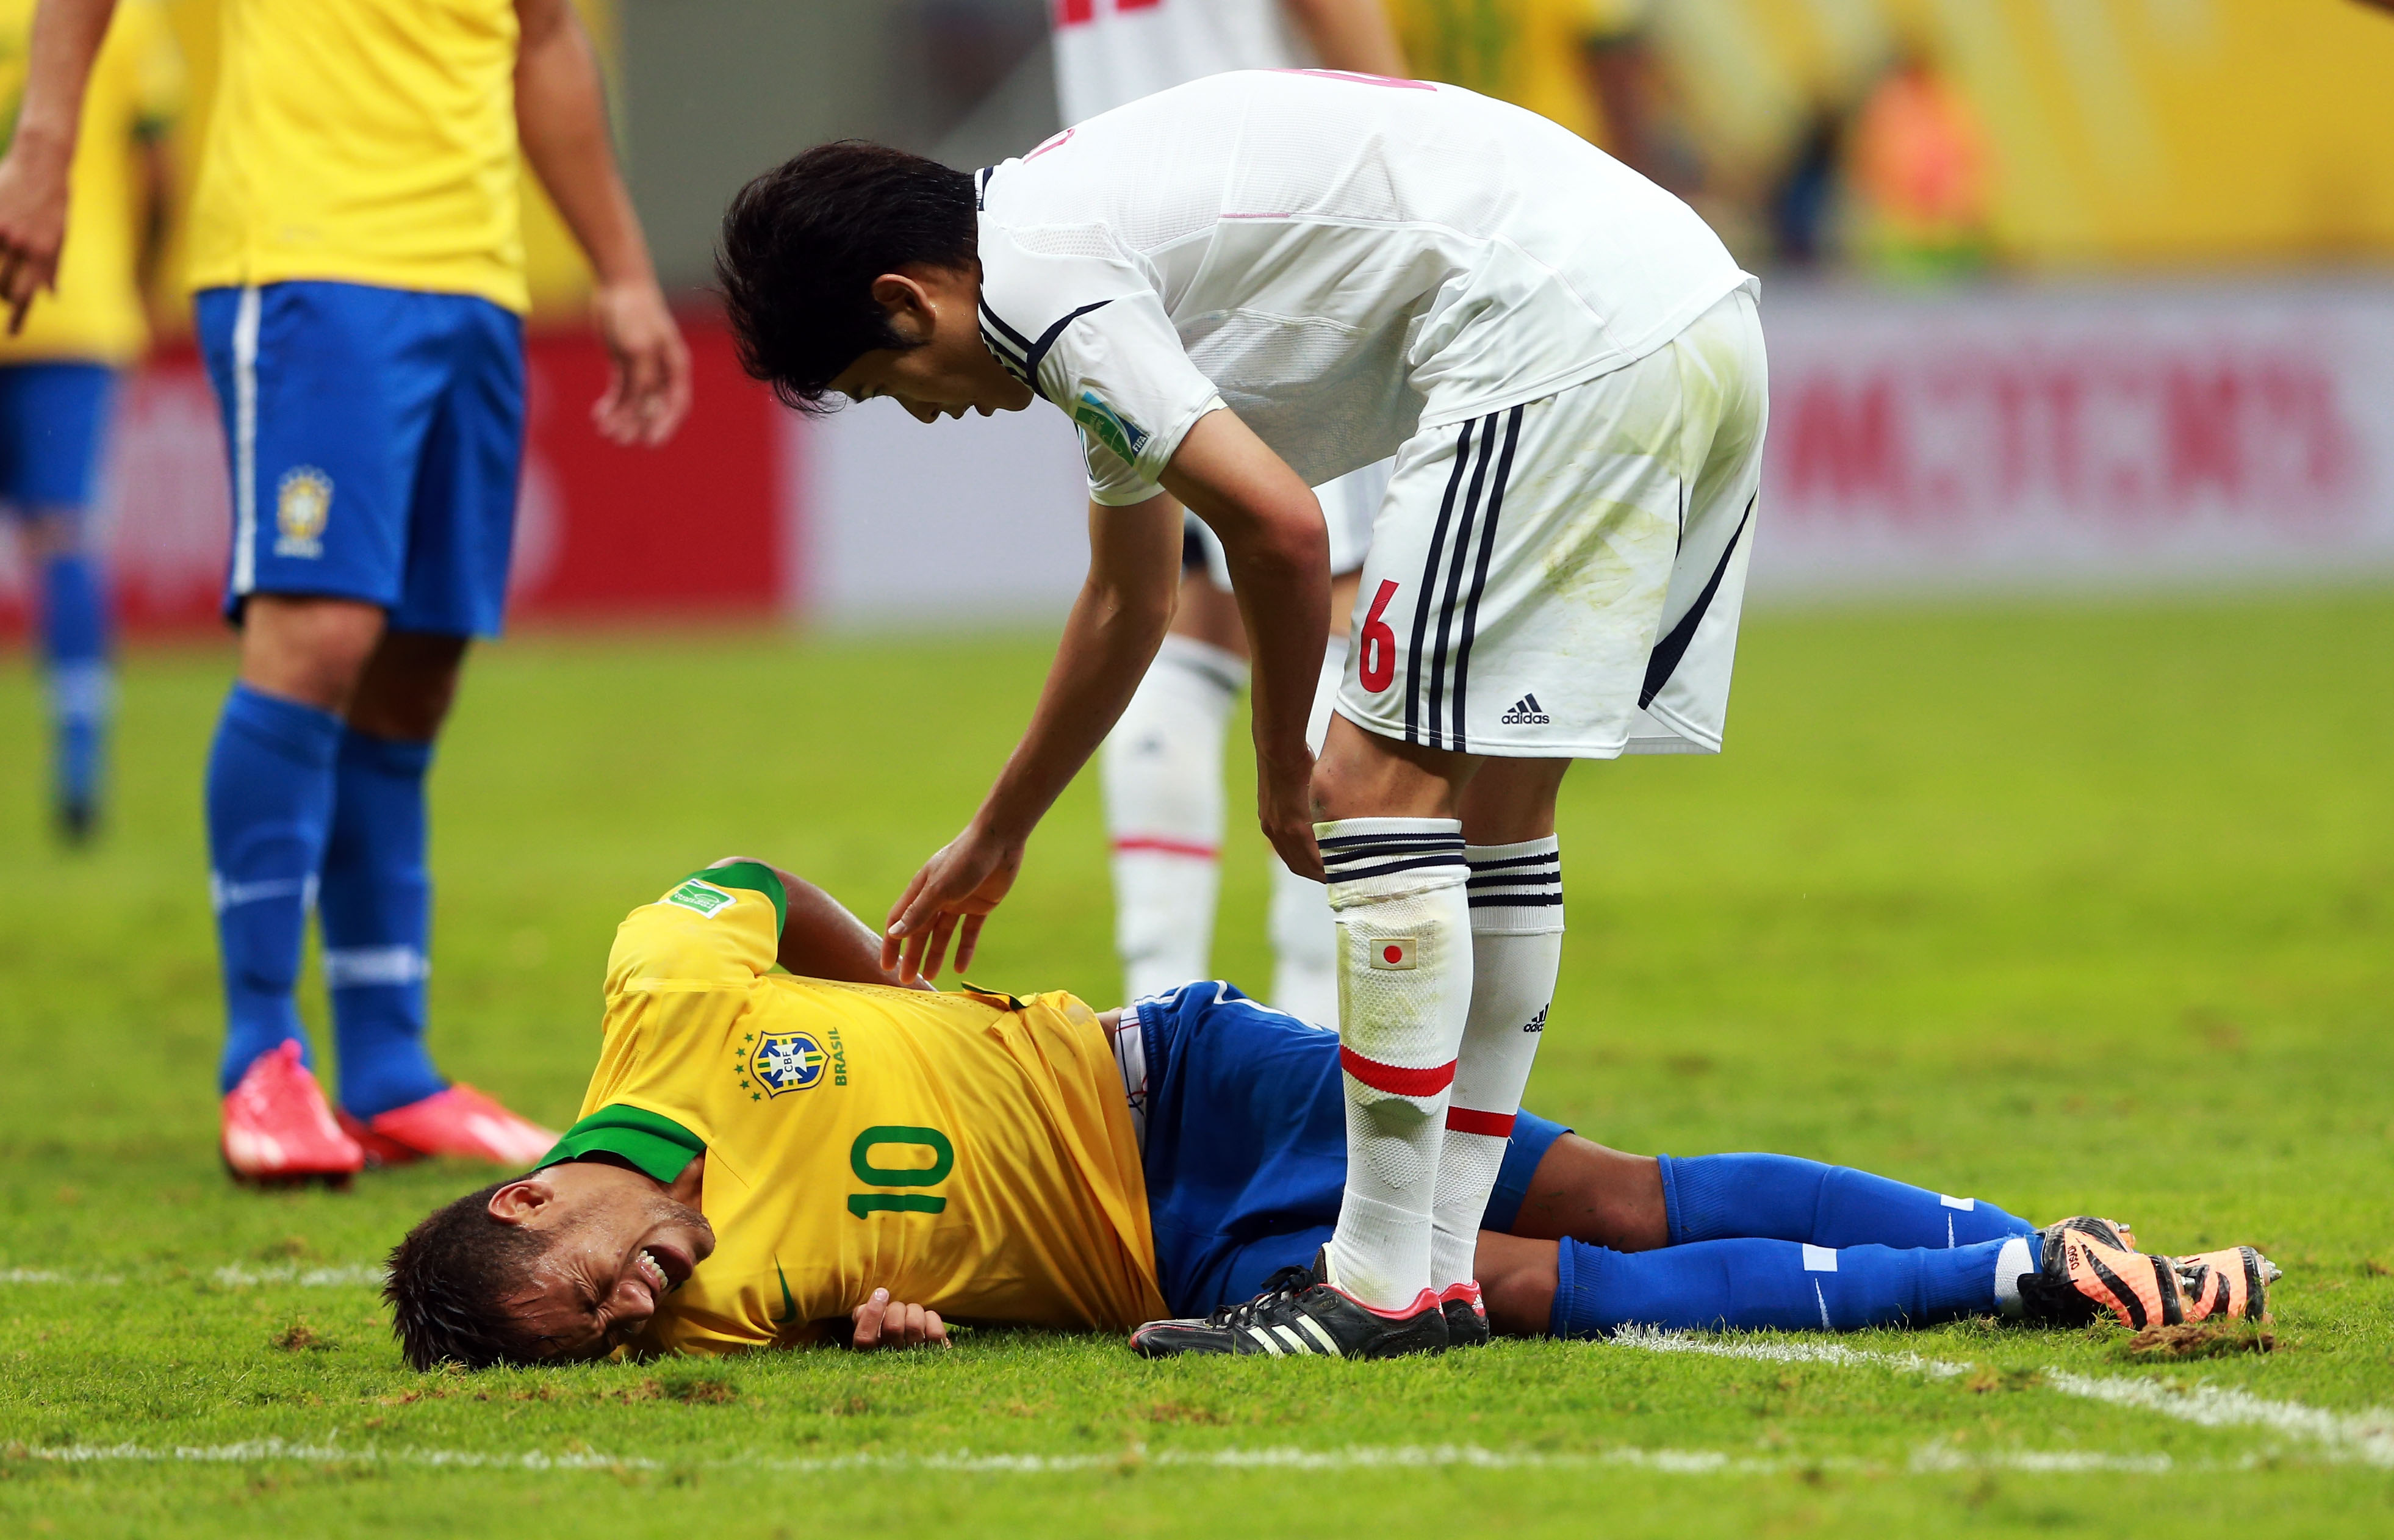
767 1159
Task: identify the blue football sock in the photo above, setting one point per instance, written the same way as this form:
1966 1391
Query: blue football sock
75 652
1754 1285
1781 1198
376 911
269 797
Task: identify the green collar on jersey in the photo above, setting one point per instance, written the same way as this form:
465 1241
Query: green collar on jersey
654 1144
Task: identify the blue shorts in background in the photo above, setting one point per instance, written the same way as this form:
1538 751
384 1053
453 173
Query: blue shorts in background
53 420
1246 1144
375 437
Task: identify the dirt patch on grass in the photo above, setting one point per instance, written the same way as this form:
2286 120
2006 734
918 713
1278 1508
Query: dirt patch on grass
2200 1340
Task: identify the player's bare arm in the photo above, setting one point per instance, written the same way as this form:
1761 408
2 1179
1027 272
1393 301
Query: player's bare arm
1279 551
67 34
820 938
1349 34
1116 625
562 118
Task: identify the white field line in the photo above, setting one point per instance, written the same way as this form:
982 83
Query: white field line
356 1275
2366 1438
236 1275
1932 1460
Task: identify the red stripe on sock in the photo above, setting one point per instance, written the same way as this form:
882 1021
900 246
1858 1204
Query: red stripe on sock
1163 846
1394 1079
1463 1120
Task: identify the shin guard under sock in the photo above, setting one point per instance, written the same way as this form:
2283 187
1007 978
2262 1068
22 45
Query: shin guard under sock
375 910
269 798
1162 773
1404 991
1517 925
1781 1197
1304 938
1777 1286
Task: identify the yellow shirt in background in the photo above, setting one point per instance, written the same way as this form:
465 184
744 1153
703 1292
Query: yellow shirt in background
363 142
137 88
1527 52
967 1152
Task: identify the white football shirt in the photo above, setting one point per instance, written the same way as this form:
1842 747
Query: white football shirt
1340 258
1108 52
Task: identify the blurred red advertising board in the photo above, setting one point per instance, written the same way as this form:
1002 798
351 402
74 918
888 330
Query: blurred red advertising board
693 528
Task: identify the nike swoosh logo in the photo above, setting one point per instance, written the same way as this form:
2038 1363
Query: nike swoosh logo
788 1303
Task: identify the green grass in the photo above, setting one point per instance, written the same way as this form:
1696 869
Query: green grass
2070 907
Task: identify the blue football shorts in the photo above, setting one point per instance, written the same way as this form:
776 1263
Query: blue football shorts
1245 1147
53 421
375 437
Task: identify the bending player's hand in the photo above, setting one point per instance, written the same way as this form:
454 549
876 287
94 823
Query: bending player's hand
1285 805
33 226
647 390
881 1322
949 899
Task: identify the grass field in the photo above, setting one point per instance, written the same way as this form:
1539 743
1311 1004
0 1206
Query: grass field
2072 908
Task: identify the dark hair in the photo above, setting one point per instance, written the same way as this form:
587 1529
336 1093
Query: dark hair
803 242
449 1280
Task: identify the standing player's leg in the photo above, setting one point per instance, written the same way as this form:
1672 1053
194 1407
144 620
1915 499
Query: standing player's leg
1161 769
53 418
1628 587
1517 931
320 432
376 907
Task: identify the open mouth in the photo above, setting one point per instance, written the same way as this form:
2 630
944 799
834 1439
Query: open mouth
664 1267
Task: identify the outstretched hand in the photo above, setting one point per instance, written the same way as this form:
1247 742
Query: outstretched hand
948 899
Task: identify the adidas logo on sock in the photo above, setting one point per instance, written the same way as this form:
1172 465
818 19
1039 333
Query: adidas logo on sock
1526 712
1537 1022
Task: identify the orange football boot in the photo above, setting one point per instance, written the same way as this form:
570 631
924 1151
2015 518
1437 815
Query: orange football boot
460 1123
2084 1272
2230 1285
277 1128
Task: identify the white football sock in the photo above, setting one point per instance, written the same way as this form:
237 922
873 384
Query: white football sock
1404 989
1517 948
1162 772
1304 938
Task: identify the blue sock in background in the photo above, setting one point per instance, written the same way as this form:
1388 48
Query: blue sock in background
1755 1286
1781 1198
376 909
269 797
74 655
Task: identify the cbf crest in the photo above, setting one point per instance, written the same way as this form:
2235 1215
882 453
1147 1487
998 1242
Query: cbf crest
303 501
780 1062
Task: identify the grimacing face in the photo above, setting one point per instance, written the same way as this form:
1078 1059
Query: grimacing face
620 1243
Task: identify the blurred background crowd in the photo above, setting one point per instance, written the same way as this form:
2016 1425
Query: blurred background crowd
2058 290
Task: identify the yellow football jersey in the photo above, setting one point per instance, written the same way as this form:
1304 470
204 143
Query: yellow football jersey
968 1152
1527 52
136 87
364 141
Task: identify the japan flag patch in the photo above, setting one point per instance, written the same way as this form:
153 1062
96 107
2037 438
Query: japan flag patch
1393 952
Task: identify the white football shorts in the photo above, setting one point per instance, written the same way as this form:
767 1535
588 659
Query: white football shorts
1562 579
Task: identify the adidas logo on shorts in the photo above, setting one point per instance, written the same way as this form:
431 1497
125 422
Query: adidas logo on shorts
1526 712
1537 1022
